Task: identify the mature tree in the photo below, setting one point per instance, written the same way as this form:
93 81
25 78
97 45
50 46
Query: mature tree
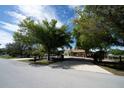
25 38
116 52
99 27
89 32
2 50
24 41
23 35
47 34
112 18
14 49
92 33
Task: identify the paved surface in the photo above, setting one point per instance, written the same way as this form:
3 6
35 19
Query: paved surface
20 74
80 65
76 65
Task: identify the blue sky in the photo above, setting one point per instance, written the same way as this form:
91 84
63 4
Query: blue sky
11 15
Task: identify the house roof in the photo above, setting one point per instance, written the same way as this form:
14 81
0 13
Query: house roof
77 50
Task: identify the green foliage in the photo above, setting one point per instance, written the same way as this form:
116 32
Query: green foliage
17 49
42 62
45 33
2 51
112 18
23 35
24 41
99 27
14 49
38 51
89 31
6 56
116 52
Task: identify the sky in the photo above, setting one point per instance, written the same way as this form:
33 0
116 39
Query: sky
11 15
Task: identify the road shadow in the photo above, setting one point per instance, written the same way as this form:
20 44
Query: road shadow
68 63
37 65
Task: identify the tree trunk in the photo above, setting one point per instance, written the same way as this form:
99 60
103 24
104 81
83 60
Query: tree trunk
48 57
39 57
86 52
120 59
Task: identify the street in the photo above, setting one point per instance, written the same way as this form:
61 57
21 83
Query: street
14 74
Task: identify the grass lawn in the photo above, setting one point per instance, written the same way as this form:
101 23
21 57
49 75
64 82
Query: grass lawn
117 60
26 60
114 70
39 62
42 62
114 67
6 57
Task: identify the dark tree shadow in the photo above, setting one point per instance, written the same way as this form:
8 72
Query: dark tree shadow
37 64
68 63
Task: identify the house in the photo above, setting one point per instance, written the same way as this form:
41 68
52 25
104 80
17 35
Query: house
78 52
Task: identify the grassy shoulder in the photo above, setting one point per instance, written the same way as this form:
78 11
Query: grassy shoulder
42 62
38 62
6 57
117 60
114 70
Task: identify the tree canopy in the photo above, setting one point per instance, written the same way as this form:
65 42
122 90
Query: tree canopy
46 33
116 52
99 27
112 18
90 32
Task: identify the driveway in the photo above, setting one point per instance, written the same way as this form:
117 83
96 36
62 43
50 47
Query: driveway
22 75
81 64
74 64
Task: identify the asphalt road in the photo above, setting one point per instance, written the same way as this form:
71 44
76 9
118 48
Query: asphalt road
15 74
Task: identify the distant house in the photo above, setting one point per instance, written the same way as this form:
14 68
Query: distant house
78 52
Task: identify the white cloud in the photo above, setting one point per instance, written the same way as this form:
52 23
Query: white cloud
5 38
17 16
76 6
39 12
36 12
20 13
8 26
72 6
